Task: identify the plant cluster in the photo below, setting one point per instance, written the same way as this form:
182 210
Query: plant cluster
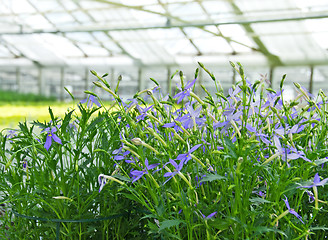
242 165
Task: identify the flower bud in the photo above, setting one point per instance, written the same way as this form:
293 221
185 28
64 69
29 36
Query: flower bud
297 85
137 141
93 72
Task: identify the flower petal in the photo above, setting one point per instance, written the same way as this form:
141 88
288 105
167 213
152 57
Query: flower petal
316 179
48 142
56 138
194 148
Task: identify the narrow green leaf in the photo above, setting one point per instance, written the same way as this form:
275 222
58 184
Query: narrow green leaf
69 93
52 115
154 81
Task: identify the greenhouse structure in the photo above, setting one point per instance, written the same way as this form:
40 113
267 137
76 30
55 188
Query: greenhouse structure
48 44
163 119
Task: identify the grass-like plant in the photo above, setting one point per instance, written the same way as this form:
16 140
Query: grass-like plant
13 97
247 165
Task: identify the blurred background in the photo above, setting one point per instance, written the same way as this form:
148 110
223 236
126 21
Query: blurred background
46 45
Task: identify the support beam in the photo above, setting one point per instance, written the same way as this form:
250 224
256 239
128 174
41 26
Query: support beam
273 59
183 25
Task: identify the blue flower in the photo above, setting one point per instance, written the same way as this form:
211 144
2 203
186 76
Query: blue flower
198 179
177 169
185 157
11 134
192 119
185 92
316 182
292 211
119 154
288 153
138 174
143 112
51 136
209 216
91 100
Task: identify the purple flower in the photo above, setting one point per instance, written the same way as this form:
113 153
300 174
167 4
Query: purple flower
91 100
25 164
11 134
233 95
311 196
198 179
209 216
260 135
271 100
232 114
261 194
295 129
292 211
138 174
316 182
177 169
185 157
288 153
119 154
51 136
192 119
73 125
184 92
143 112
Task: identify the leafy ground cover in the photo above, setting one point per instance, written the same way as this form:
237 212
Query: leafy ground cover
12 114
17 107
246 165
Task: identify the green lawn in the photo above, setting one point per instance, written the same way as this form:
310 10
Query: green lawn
13 113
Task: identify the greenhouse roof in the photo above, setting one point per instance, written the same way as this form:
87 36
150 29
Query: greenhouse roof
163 32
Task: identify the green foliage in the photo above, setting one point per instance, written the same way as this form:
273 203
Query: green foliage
172 167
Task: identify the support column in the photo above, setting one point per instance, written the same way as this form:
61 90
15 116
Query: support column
113 79
18 79
141 80
234 76
169 81
271 77
200 81
40 81
62 82
311 79
86 79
